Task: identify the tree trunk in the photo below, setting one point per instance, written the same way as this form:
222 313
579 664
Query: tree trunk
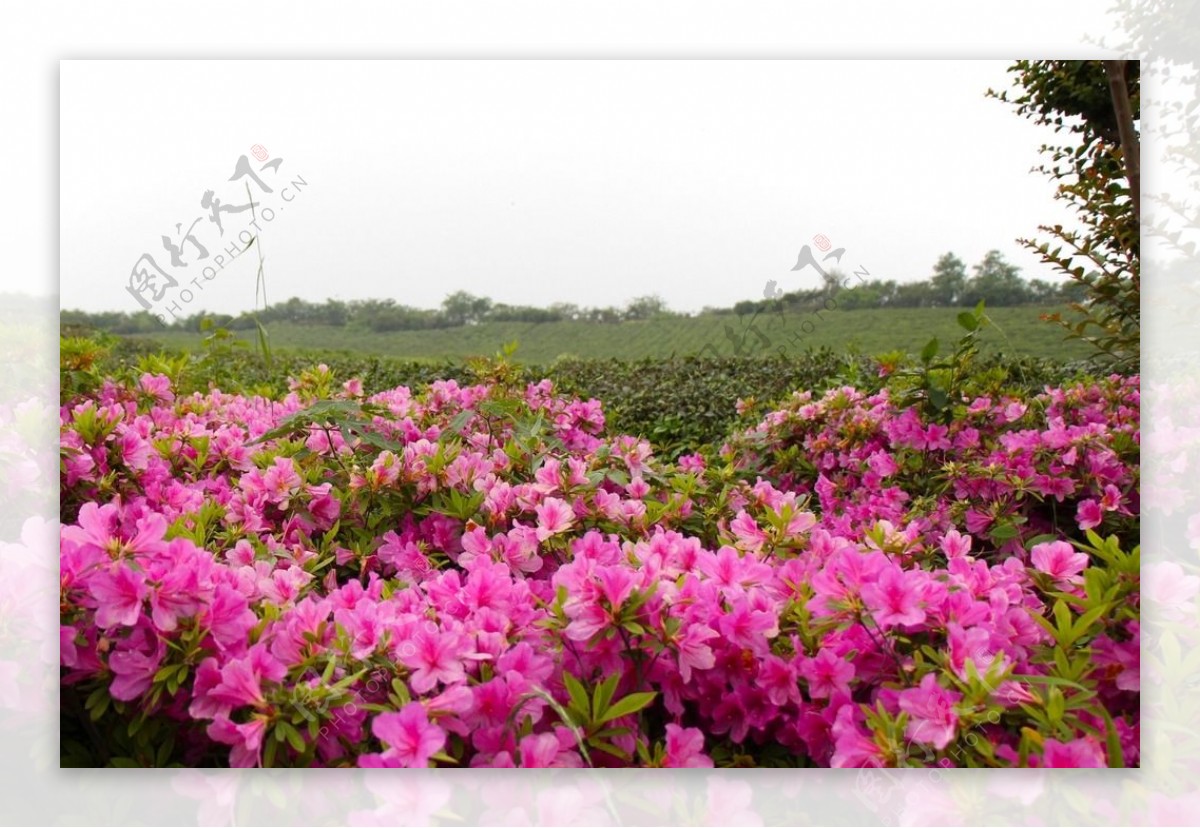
1130 149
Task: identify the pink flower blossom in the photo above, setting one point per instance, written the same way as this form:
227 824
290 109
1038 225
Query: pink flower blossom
932 719
827 674
1059 560
1089 515
694 653
685 748
894 598
955 544
119 593
410 739
554 517
434 656
346 564
1078 753
549 750
245 739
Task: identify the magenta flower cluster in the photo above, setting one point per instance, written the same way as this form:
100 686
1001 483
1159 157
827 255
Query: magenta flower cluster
483 576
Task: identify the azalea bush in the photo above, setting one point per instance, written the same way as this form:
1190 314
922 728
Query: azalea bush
485 574
678 403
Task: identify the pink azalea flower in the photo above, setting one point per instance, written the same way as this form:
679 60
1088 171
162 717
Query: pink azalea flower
433 657
1089 515
882 463
228 618
554 517
410 739
685 748
827 674
729 569
281 481
616 584
119 592
178 595
157 386
549 750
245 739
750 536
134 668
694 653
778 678
1122 658
1080 753
1059 560
548 478
955 544
241 679
895 597
853 748
932 720
748 626
101 526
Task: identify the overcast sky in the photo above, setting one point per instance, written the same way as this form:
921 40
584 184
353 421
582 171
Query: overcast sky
535 182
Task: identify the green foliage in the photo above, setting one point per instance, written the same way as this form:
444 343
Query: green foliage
789 334
216 363
80 361
592 714
1066 701
1102 255
680 403
937 386
684 402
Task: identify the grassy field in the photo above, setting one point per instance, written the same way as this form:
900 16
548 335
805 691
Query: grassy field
1018 331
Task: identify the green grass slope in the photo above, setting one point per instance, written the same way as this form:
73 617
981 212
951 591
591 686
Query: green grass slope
1018 331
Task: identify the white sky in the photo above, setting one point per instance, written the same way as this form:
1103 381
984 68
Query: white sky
535 182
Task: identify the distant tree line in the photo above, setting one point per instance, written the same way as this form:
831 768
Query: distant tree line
380 315
993 280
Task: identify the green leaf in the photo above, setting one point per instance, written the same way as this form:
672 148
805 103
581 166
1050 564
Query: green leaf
101 706
611 750
602 695
442 756
292 735
1062 619
967 320
1086 620
1004 531
579 696
163 757
626 706
930 350
1050 680
1116 757
938 398
348 680
459 423
263 342
1055 704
